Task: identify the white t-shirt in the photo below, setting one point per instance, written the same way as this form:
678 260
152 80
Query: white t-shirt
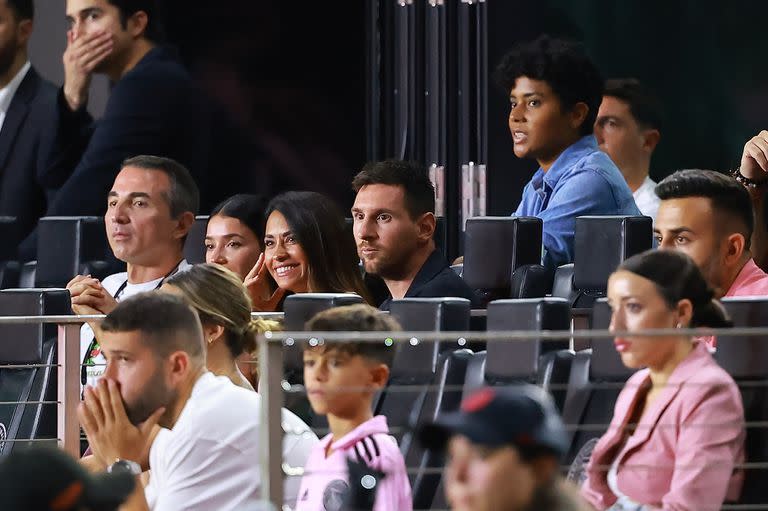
298 442
646 199
112 284
210 459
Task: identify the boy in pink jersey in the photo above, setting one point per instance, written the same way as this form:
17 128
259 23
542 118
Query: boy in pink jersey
341 380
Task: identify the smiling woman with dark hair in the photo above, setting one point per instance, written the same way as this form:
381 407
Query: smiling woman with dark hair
307 249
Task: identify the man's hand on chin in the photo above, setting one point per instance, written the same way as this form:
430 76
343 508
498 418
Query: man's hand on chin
110 433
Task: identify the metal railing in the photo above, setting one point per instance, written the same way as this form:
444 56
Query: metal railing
68 374
271 356
273 387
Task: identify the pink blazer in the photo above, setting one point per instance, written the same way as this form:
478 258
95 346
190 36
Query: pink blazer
681 456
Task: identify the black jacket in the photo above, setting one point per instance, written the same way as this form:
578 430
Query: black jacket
155 109
436 279
22 161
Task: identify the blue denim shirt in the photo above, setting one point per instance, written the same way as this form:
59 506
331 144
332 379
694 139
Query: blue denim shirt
582 181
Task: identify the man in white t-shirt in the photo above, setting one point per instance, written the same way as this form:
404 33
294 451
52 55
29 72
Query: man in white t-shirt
205 454
628 128
150 209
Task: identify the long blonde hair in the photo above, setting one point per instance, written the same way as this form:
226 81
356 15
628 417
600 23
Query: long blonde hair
220 298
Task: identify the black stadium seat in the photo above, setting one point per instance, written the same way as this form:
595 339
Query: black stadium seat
444 398
530 281
194 245
429 315
494 247
67 246
562 284
27 274
746 360
299 309
544 362
601 244
9 266
432 375
10 273
9 233
416 366
607 356
596 379
28 344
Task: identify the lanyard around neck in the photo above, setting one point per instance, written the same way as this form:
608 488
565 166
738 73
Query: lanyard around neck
173 271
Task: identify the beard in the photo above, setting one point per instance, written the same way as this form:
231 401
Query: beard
389 266
156 394
8 55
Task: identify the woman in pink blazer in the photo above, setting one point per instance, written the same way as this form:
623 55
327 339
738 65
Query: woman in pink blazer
678 426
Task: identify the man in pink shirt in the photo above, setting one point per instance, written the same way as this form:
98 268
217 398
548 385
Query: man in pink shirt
341 380
709 216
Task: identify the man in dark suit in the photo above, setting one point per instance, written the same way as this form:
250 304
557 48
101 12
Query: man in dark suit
154 108
394 225
25 100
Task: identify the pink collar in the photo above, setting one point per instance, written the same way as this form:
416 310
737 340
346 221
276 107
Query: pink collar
749 274
377 424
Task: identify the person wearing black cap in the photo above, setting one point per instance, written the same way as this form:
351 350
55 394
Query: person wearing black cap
504 449
46 478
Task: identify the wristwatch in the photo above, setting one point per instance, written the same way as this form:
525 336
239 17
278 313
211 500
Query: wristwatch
122 466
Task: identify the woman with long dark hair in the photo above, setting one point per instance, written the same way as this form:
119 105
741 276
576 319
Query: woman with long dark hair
307 249
234 237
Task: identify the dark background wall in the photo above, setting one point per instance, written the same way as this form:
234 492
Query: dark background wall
293 75
705 60
290 72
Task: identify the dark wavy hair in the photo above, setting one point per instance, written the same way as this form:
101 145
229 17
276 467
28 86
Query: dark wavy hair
155 30
319 227
643 104
677 277
563 65
411 175
247 208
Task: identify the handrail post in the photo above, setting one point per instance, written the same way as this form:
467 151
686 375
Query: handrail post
271 431
68 378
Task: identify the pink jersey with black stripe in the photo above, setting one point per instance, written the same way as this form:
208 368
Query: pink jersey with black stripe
325 483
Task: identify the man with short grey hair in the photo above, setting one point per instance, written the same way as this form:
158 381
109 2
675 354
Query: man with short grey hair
150 209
